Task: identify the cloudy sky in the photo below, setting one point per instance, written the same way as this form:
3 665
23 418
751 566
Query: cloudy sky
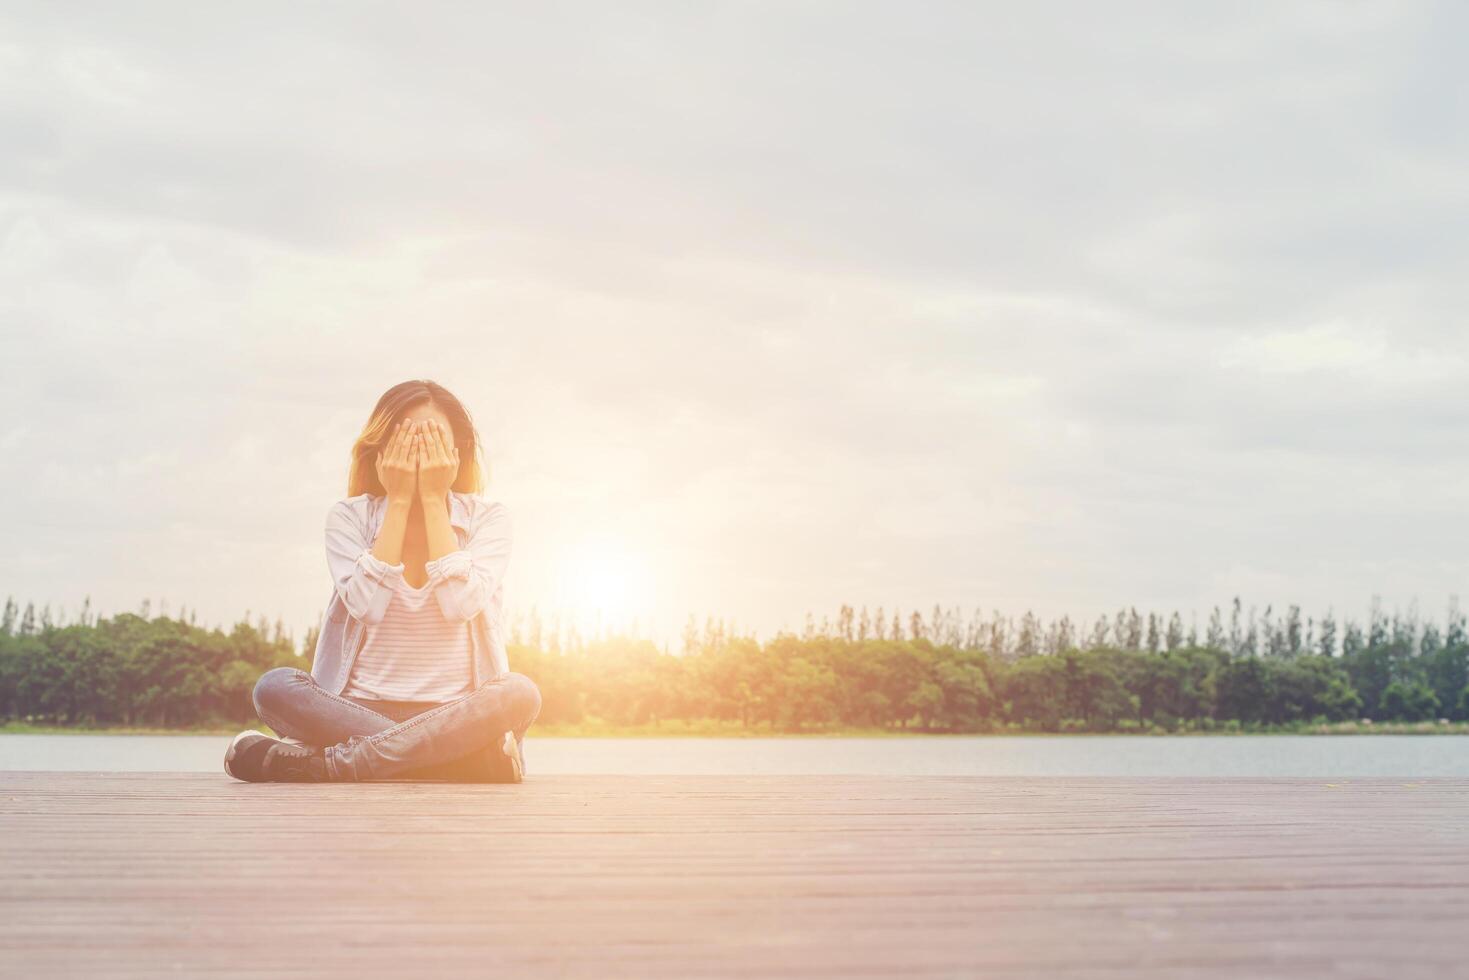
760 308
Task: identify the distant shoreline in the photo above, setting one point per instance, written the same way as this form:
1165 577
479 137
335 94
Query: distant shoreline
681 730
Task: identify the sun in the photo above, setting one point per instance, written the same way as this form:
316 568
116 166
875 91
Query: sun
603 582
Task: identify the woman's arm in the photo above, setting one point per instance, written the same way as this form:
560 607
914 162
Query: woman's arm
463 579
438 464
366 574
365 582
388 547
397 470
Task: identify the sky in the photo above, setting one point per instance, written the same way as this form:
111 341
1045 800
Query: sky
760 308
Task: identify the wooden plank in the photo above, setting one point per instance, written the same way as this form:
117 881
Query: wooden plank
144 874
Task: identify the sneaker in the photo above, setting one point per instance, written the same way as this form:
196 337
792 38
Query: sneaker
287 763
258 758
245 757
510 748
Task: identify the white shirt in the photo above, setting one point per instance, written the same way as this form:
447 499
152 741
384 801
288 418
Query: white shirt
467 583
413 653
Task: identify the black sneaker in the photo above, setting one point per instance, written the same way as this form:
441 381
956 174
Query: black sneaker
245 758
288 763
258 758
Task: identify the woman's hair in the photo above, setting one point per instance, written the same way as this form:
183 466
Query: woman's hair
394 405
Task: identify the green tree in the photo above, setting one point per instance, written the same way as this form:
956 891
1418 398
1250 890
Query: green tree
1408 701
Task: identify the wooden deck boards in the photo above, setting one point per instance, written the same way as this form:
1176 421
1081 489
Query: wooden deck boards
196 875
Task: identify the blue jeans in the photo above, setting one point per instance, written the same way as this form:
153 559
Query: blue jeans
458 739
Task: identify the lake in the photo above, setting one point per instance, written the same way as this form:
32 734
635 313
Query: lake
1018 755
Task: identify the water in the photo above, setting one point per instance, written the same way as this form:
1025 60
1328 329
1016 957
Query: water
1059 755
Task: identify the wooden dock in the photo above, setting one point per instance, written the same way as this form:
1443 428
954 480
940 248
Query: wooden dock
199 876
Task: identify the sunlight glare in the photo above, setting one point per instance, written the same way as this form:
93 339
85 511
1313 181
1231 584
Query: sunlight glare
603 583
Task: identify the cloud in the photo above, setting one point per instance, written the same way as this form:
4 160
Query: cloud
819 303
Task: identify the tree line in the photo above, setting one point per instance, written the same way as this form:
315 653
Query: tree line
942 671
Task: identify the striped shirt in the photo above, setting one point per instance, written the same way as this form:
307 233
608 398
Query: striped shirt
468 583
413 653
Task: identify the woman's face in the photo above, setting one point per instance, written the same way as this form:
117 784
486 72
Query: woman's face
430 412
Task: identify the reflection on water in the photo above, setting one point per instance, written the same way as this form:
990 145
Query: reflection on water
1117 755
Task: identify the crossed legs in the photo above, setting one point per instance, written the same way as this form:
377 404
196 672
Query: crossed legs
445 741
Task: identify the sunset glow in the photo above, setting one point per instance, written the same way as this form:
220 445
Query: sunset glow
603 583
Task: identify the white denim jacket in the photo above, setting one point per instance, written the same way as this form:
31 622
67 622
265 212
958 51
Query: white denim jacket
467 583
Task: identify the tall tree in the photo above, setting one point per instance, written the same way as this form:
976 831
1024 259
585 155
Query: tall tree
1214 638
1327 643
1236 633
1293 635
1173 639
1134 629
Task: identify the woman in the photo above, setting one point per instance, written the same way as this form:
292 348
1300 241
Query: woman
410 676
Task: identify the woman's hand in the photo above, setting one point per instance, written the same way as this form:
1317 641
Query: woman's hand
396 465
438 460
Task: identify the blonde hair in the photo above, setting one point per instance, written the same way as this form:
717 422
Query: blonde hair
394 405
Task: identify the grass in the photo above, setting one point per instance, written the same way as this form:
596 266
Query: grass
708 728
34 728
